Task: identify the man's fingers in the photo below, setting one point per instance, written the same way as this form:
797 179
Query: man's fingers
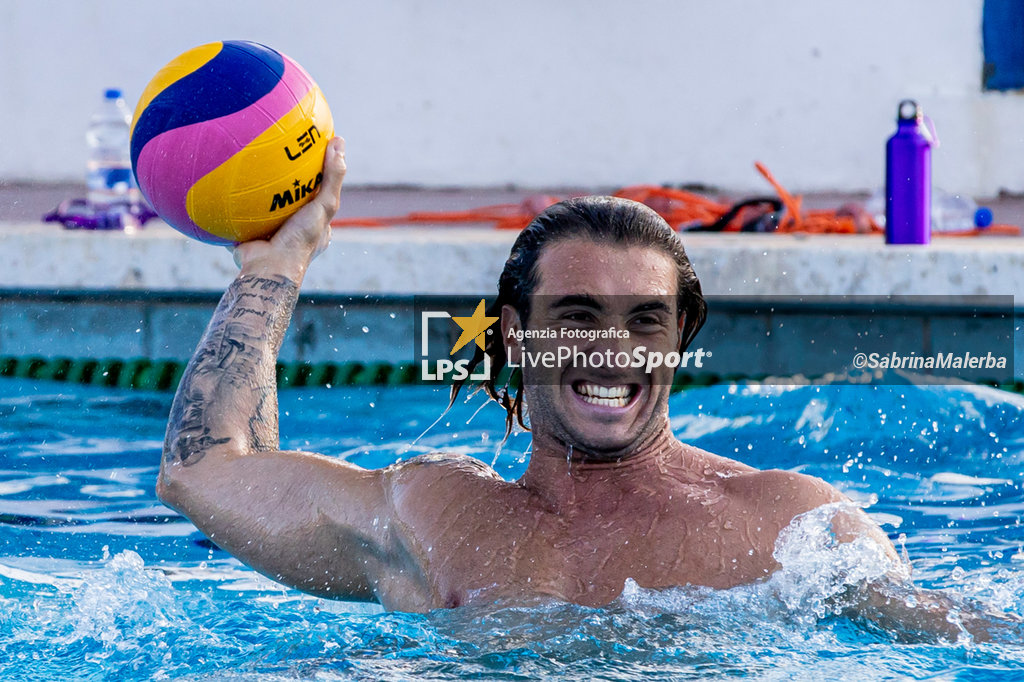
334 173
306 233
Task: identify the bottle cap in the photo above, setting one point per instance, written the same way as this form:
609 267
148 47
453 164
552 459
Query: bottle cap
112 93
908 110
983 217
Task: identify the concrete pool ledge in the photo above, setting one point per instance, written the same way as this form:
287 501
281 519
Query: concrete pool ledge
81 294
403 261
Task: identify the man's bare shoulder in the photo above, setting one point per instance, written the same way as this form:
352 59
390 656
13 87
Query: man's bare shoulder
769 493
442 463
445 492
431 470
781 494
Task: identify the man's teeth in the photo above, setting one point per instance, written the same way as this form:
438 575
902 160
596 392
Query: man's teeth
608 396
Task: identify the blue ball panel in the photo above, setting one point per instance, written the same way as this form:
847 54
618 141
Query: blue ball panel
225 84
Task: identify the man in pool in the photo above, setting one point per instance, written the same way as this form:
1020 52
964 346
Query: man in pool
609 494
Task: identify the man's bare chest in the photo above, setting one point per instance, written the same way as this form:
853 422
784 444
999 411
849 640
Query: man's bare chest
498 550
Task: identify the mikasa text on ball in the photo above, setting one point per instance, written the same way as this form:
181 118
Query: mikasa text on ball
228 141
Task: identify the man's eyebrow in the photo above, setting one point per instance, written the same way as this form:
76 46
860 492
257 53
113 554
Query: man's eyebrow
651 306
585 300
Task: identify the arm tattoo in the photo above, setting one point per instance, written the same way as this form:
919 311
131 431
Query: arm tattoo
229 389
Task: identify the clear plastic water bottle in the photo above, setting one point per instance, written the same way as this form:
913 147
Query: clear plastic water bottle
949 213
109 177
957 213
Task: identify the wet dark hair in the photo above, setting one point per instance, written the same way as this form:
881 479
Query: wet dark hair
605 220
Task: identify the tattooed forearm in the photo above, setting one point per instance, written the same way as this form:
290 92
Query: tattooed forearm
262 438
229 389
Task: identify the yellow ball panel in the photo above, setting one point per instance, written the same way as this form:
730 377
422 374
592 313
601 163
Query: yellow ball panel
249 195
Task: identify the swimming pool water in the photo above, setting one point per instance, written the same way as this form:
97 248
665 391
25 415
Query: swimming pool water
98 580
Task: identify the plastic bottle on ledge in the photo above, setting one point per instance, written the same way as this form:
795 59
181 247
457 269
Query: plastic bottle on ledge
957 213
950 212
109 177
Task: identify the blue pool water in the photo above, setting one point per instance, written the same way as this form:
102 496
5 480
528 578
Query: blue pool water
99 581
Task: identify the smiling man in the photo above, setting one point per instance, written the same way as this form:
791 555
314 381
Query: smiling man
609 494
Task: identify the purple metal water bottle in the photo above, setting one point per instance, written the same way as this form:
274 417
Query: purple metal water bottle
908 179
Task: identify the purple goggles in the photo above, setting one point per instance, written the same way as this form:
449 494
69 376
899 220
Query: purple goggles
79 214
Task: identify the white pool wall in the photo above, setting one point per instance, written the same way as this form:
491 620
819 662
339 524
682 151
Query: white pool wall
539 93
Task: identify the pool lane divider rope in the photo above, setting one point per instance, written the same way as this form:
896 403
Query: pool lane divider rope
163 375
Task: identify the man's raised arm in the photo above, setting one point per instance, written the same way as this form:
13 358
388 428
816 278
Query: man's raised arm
312 522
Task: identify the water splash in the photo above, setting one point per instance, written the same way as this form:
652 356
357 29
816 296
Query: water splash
818 571
484 403
417 439
122 603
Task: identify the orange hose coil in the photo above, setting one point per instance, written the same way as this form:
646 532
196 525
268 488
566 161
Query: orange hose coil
679 208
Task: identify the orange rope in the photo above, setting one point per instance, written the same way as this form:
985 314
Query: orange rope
794 220
679 208
503 216
995 228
